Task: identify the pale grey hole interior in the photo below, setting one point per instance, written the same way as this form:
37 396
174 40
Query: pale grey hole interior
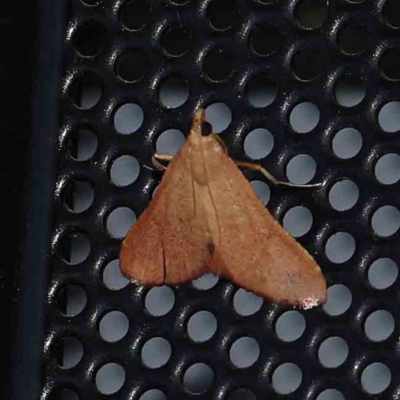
304 117
110 378
124 170
298 221
349 92
112 276
262 190
301 169
389 117
76 300
119 221
170 141
198 378
114 326
387 169
80 248
159 300
87 144
339 299
244 352
72 352
90 95
340 247
67 394
379 325
206 281
82 196
202 326
290 326
382 273
343 195
153 394
330 394
128 118
261 94
156 352
287 378
219 116
386 221
173 92
347 143
246 303
258 143
333 352
376 378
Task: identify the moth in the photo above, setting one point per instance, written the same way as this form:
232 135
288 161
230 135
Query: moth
205 216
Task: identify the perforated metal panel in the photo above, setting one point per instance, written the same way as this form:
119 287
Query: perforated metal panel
311 90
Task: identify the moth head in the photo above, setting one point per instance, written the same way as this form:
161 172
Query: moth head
206 128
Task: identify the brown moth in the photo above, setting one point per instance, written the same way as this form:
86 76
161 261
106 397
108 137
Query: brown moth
205 216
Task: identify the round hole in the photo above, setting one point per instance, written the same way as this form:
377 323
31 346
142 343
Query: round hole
112 276
311 14
198 378
160 300
386 221
124 170
219 116
340 247
177 40
78 196
389 64
71 300
261 92
246 303
258 143
379 325
174 92
74 248
85 91
64 394
153 394
202 326
205 282
170 141
349 91
389 117
383 273
89 39
244 352
265 40
218 65
287 378
110 378
391 13
304 117
333 352
308 64
376 378
119 221
301 169
131 66
82 144
353 39
290 326
262 191
156 352
242 394
135 14
222 14
128 118
387 169
343 195
330 394
91 3
347 143
298 221
338 300
114 326
68 352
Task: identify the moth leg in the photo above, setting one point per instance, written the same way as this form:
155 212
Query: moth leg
271 178
157 157
221 142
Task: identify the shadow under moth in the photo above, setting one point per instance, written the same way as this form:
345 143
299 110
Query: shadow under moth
205 216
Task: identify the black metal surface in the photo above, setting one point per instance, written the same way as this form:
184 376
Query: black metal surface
218 48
